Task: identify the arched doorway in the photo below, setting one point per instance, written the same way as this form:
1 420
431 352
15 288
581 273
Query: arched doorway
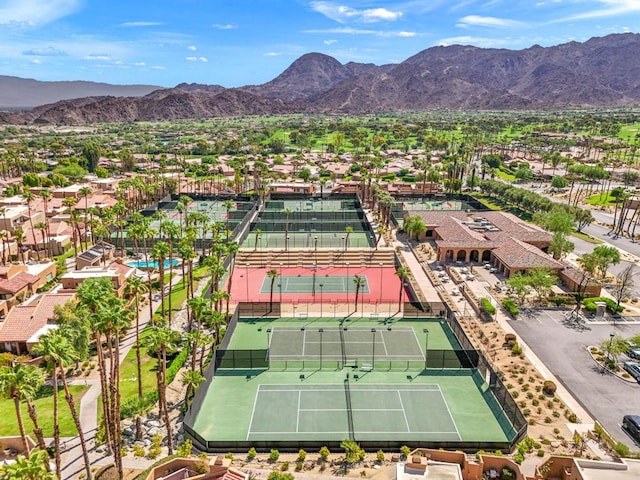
462 256
473 256
486 255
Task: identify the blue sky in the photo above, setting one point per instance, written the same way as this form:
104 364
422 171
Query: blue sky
239 42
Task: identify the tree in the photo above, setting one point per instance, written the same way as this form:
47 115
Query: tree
559 182
257 232
352 452
33 467
556 220
541 280
135 287
520 285
625 283
192 380
161 341
605 257
613 347
358 281
560 246
15 384
286 212
402 274
414 226
58 351
272 274
91 151
348 230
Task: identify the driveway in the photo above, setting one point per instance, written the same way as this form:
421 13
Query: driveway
562 348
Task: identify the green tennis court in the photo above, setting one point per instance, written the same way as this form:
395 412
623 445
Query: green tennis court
366 411
309 239
313 283
351 344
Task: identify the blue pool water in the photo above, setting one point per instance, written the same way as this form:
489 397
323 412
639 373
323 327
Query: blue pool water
152 264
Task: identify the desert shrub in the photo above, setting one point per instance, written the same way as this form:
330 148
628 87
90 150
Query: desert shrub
549 388
324 454
274 455
516 349
251 454
486 305
621 449
405 451
284 467
302 455
380 456
612 306
229 456
184 449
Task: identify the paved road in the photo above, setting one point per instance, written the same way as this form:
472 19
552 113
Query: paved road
563 351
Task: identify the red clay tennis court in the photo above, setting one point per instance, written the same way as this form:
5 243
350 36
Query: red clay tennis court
317 284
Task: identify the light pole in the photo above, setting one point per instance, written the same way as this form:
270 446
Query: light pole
321 331
373 348
268 346
380 281
246 271
313 287
611 335
426 345
320 300
280 284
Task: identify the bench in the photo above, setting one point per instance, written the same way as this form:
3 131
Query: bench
366 367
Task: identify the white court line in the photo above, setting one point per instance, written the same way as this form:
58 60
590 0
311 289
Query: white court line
429 432
253 412
408 357
383 343
404 413
449 412
353 410
424 354
298 414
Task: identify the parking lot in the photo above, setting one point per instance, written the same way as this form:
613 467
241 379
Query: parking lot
561 345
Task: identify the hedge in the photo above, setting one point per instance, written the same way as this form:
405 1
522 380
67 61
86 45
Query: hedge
487 306
612 307
511 306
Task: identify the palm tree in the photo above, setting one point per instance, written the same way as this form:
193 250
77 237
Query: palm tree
29 197
20 382
42 226
46 194
192 380
58 351
358 281
257 233
4 235
18 236
348 230
228 205
85 192
163 340
402 274
272 274
33 467
136 287
159 253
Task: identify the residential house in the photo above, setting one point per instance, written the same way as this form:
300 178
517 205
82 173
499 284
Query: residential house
117 272
25 323
16 284
100 253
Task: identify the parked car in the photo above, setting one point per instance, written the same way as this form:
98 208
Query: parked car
493 270
633 369
631 423
455 291
633 351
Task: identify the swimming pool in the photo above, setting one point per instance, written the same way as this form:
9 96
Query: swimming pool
152 264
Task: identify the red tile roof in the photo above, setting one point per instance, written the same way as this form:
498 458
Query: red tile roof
14 284
23 321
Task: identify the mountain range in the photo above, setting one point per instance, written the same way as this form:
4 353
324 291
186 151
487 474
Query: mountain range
601 72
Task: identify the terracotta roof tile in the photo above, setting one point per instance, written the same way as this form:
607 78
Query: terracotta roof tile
23 321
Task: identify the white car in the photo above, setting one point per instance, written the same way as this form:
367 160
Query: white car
455 291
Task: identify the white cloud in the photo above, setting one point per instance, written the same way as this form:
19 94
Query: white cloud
36 61
271 54
493 22
158 67
475 41
141 24
36 12
192 48
226 26
101 58
203 59
610 8
329 42
357 31
341 13
140 64
45 52
197 59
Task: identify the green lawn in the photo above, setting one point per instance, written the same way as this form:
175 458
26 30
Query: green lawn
601 200
129 375
587 238
44 407
505 176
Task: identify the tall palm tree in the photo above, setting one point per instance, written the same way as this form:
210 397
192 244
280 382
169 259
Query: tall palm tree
42 226
348 230
34 467
358 281
228 205
46 195
159 253
28 198
161 341
18 236
136 287
257 232
272 274
402 274
85 192
57 350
